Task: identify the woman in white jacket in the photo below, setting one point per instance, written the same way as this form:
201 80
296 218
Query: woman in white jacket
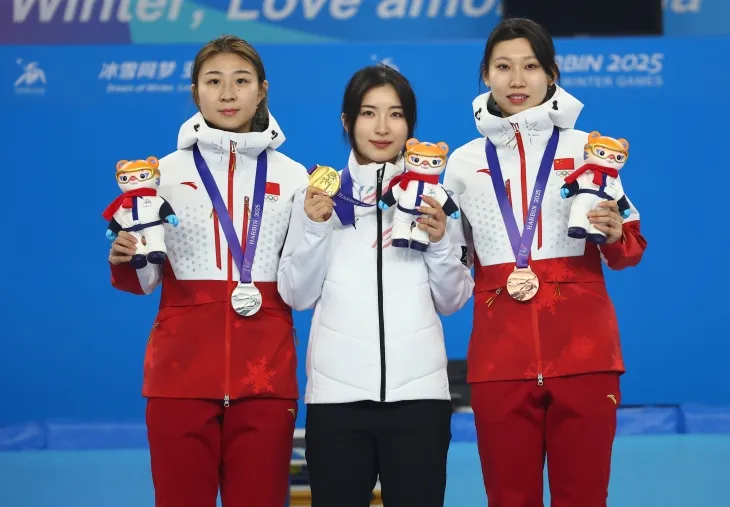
377 391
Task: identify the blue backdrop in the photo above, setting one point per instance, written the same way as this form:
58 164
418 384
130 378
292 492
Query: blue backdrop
72 346
289 21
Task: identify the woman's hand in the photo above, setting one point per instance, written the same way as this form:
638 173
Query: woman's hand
318 205
433 220
608 220
124 246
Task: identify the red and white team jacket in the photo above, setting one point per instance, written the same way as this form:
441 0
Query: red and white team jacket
570 326
199 347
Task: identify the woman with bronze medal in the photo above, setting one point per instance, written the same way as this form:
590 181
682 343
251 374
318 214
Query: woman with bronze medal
544 357
220 366
378 399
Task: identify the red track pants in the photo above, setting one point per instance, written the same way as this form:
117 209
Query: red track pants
198 446
572 420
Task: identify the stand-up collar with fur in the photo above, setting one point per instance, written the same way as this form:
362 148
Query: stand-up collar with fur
536 124
195 130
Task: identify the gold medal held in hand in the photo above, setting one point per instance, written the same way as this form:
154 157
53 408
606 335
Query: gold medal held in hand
325 178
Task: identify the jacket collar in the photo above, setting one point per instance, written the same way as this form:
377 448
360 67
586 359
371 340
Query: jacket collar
535 124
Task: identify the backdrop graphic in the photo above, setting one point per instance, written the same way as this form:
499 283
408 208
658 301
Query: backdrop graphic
72 346
288 21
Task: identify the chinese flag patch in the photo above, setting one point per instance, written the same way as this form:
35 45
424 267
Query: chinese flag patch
272 188
563 164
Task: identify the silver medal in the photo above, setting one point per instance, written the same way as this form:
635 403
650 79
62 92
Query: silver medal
246 299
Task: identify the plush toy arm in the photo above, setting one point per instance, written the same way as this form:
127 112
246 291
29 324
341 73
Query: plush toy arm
389 198
450 207
624 208
569 189
112 230
166 209
114 226
167 214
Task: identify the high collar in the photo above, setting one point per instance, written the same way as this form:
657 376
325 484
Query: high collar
196 130
535 124
367 174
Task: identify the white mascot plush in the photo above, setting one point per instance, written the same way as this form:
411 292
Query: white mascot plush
596 181
140 211
424 162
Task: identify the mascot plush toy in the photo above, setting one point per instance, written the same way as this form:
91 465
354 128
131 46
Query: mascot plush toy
424 163
597 180
140 211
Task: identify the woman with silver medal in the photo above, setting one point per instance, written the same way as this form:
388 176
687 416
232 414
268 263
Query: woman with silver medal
220 365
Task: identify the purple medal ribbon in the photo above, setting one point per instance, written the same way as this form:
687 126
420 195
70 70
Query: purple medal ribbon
243 262
521 246
344 201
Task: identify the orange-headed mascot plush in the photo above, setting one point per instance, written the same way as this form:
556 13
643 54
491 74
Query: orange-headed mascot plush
596 181
424 162
140 211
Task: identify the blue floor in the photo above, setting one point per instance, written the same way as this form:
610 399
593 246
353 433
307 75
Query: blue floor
663 457
662 470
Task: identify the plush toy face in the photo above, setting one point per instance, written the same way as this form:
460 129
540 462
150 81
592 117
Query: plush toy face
135 174
606 151
425 157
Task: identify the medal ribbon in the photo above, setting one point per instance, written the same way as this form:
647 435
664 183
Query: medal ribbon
244 262
521 245
344 201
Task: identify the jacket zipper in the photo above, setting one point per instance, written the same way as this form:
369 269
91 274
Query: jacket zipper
381 320
523 181
217 238
229 283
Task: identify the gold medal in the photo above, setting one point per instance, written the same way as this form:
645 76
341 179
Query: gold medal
522 284
325 178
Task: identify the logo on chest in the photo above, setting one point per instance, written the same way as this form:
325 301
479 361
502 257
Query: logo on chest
273 191
387 240
562 167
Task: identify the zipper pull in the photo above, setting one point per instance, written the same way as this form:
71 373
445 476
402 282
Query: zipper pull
226 401
154 326
491 299
539 379
296 338
232 157
516 127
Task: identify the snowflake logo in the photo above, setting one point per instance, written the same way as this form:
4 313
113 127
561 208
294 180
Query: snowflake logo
558 269
259 376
